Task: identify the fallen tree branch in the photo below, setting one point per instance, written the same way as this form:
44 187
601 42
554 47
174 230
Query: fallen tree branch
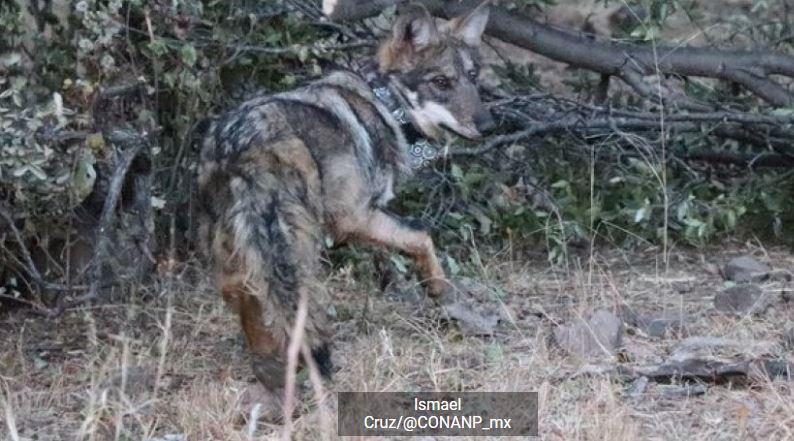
712 370
543 114
750 69
705 369
134 144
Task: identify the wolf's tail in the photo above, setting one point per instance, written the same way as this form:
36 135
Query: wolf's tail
265 239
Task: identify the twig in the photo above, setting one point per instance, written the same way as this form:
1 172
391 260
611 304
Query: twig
37 306
319 390
298 48
5 401
604 123
293 351
634 79
30 267
354 43
539 115
694 369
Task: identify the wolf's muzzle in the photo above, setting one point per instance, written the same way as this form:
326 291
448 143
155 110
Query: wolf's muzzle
484 122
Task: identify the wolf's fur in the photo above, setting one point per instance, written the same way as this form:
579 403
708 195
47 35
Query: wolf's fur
282 170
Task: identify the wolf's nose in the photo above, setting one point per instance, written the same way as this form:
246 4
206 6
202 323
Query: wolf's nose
484 121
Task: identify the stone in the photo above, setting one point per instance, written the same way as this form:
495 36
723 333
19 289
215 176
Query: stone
473 306
660 327
742 299
637 387
598 335
402 290
745 269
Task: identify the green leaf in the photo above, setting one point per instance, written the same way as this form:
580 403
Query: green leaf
83 178
640 215
158 48
456 171
188 55
399 263
454 268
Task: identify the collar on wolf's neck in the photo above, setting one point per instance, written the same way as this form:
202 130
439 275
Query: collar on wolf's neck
421 151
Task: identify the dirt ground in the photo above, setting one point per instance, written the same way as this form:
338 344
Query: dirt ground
170 364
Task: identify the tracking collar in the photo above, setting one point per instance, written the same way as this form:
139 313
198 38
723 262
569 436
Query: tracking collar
421 151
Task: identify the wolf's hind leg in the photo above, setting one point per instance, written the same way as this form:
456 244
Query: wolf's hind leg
265 348
380 228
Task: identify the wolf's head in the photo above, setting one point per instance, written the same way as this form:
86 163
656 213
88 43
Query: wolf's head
434 70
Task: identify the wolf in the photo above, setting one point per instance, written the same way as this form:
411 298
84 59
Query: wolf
280 172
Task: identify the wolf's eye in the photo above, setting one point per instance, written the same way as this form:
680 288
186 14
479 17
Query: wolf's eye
442 82
473 74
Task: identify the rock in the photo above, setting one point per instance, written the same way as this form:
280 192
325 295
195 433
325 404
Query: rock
473 306
659 327
745 269
656 326
742 299
261 403
780 276
637 387
404 290
598 335
684 390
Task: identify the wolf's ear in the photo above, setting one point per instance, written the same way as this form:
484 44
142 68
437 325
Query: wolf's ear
415 28
469 28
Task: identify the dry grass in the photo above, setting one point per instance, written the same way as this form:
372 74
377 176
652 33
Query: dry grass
171 362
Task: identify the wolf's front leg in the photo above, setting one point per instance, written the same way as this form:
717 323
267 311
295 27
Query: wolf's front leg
380 228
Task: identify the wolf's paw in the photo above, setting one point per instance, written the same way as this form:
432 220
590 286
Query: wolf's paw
474 306
322 358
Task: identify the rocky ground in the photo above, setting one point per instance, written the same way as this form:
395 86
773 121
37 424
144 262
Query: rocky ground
620 346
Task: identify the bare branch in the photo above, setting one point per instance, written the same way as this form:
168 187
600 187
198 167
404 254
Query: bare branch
767 89
541 115
29 266
710 370
135 144
747 68
293 351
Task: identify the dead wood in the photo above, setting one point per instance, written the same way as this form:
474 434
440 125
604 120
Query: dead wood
714 370
543 114
752 69
132 144
697 369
